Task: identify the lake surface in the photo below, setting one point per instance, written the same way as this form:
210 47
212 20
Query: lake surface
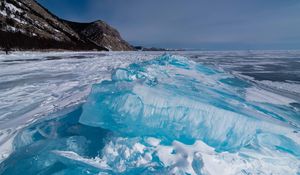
234 112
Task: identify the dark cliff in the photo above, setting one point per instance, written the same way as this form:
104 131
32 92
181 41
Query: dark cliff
25 24
101 34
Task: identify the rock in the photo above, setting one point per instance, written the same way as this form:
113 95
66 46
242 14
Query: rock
102 34
25 24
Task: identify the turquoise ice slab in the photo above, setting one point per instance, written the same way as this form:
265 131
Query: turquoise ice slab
164 116
173 98
34 146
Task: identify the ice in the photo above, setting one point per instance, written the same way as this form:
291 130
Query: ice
34 85
176 99
122 155
186 113
290 86
6 144
96 163
260 95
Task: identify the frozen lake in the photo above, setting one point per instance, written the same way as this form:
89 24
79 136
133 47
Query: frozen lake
36 88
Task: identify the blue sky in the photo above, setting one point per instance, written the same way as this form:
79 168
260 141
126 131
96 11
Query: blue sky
195 24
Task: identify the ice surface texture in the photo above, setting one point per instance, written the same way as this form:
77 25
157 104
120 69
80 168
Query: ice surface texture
172 98
169 115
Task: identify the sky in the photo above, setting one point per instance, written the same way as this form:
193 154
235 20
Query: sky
193 24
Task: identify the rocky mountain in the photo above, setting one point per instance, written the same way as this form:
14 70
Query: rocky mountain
141 48
25 24
101 34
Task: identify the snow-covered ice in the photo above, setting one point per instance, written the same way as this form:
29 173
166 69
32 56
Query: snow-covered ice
128 113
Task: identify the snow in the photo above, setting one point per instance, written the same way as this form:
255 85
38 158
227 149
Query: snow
13 8
18 20
6 144
32 86
97 163
58 38
260 95
169 115
3 12
182 100
13 29
57 30
121 156
291 87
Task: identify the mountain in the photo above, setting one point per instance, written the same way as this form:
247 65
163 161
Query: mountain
101 34
141 48
25 24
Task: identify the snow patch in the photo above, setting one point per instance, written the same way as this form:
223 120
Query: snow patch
121 155
263 96
13 8
3 13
